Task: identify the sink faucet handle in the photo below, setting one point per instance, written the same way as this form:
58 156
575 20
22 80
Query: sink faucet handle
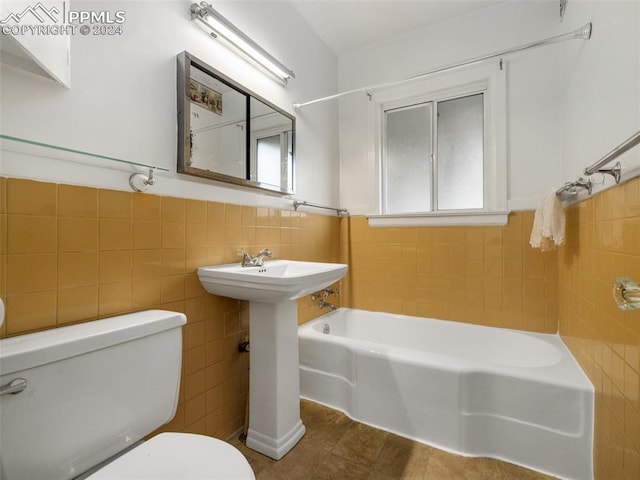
330 291
246 258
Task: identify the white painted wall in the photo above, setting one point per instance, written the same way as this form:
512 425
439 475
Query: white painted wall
534 104
123 99
567 103
601 82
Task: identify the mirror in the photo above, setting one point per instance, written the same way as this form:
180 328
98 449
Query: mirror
229 134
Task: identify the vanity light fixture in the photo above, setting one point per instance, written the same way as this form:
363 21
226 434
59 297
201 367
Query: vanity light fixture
219 27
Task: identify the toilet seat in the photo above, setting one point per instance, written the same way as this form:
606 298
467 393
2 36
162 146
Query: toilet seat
179 456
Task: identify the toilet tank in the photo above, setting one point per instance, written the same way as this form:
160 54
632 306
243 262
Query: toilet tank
93 389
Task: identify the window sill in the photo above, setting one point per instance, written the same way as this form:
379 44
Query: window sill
464 218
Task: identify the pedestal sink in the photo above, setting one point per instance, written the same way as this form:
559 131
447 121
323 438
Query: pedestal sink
274 382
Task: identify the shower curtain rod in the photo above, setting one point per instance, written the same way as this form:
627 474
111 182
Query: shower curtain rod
583 33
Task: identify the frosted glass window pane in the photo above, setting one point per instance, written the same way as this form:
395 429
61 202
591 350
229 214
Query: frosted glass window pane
460 153
268 153
407 166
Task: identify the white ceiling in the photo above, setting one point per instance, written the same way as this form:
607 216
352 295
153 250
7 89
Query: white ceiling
347 25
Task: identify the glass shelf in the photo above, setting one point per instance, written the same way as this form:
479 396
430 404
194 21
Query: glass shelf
34 143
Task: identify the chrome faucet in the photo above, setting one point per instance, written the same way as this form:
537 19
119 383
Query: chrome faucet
323 304
257 261
322 295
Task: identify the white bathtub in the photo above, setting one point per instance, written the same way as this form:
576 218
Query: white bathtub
473 390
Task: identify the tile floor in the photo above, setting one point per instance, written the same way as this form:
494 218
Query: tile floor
338 448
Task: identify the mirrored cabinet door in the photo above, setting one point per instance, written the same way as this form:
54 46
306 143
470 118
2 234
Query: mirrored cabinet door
217 132
271 147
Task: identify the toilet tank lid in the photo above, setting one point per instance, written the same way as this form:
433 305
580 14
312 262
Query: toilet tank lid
35 349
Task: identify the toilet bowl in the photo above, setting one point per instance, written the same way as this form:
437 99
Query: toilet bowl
92 392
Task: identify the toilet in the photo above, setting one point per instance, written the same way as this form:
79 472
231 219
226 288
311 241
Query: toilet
76 403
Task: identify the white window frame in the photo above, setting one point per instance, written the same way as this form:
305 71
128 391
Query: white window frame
489 79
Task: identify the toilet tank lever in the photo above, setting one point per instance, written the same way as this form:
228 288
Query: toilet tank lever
14 387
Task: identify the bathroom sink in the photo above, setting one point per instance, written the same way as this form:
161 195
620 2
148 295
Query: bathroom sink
274 394
275 281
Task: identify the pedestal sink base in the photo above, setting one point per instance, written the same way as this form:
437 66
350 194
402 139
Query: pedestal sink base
275 448
274 382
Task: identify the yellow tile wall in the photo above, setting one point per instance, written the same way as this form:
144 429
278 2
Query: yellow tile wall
99 253
603 242
482 275
72 254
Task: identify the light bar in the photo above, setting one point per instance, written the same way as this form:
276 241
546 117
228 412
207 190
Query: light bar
218 26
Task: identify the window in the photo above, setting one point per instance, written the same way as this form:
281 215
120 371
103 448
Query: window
459 160
443 152
406 159
434 156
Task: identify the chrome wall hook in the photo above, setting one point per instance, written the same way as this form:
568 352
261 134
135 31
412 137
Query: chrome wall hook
572 187
139 182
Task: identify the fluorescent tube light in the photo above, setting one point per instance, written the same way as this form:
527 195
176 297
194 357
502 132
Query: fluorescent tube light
218 26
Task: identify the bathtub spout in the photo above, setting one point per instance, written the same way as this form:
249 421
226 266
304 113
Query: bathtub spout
323 304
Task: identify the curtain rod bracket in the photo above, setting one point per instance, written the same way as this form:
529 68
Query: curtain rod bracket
615 171
613 154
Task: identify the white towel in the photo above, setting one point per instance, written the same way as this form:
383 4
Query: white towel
548 224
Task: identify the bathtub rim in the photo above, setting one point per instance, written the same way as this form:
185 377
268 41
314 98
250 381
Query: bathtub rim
566 367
